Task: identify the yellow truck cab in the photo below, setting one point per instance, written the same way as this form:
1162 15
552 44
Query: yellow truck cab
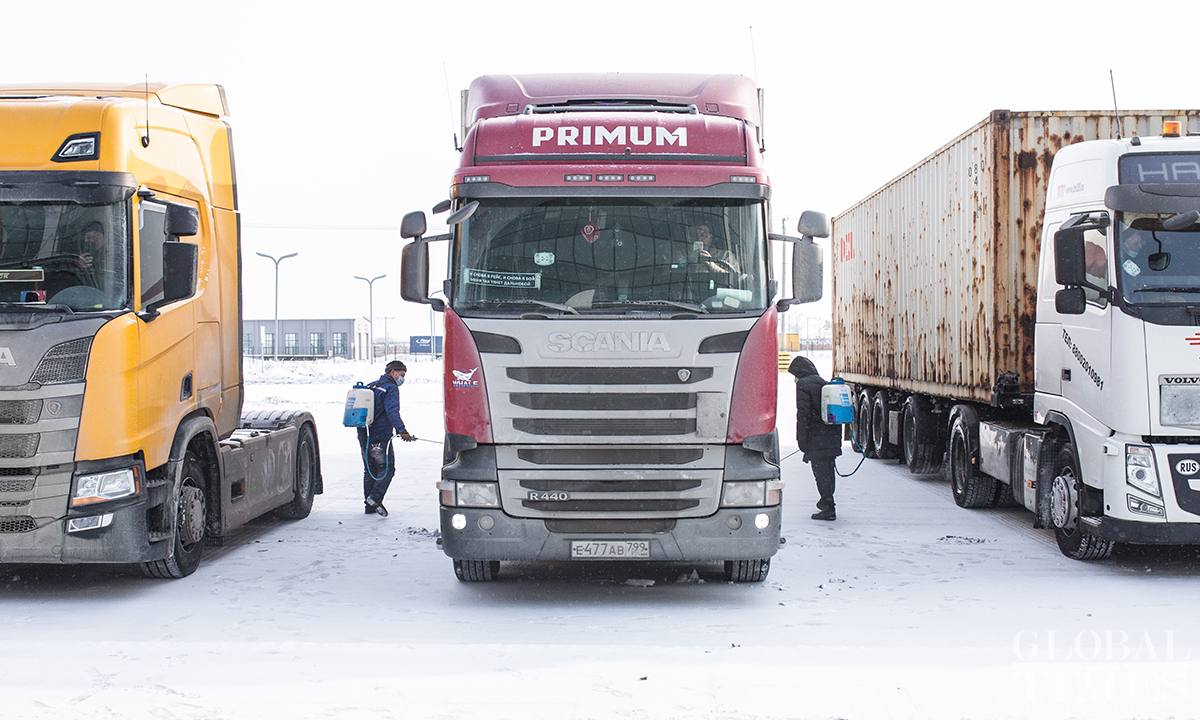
122 438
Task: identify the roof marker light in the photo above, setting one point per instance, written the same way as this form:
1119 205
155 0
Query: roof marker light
477 178
1172 128
641 178
610 178
578 178
743 178
81 146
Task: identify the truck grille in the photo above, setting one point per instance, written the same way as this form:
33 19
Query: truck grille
604 401
610 493
63 363
637 457
613 427
636 505
19 446
630 486
17 524
20 412
17 485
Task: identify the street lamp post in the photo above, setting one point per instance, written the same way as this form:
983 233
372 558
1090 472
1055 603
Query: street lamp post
275 339
371 310
386 336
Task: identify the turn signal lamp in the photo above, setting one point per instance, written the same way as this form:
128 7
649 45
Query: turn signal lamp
1172 128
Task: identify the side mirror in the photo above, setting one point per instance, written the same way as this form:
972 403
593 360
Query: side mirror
412 226
1070 266
442 207
414 272
1070 301
813 224
807 272
179 271
182 221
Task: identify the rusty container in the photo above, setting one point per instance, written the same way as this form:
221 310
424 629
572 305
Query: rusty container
935 274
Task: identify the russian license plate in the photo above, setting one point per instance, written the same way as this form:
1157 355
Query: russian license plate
609 549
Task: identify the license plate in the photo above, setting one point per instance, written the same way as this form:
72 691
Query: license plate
549 495
609 549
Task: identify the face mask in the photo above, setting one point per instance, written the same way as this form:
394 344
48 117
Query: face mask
399 381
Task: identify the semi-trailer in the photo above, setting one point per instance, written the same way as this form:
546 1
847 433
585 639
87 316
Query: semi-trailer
1020 311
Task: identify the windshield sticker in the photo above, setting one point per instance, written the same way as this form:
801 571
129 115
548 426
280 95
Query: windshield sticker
590 232
1131 268
472 276
34 275
544 258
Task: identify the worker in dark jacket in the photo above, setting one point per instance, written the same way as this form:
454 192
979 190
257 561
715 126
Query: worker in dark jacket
375 441
821 443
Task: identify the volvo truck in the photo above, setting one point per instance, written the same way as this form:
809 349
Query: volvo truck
1022 310
122 438
610 323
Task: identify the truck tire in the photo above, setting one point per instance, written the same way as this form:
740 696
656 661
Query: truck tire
971 488
477 570
306 476
190 519
1073 538
884 449
1004 496
919 430
865 443
747 571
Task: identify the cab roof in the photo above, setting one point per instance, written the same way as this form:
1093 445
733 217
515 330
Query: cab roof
203 98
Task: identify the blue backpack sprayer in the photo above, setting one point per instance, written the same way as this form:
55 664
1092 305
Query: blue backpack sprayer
360 412
837 408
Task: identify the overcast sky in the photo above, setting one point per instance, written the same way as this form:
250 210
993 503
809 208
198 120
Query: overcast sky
343 112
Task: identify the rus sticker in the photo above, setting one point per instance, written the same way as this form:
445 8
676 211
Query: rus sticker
543 258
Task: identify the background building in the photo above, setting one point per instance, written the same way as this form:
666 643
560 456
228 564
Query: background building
307 339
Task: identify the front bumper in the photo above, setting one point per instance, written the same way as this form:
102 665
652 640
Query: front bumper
125 540
707 539
1146 533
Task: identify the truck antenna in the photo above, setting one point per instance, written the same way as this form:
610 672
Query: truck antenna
146 88
1116 112
450 109
753 54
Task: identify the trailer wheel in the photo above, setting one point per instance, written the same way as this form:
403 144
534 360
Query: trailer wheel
884 449
306 476
865 444
477 570
921 452
1073 537
190 518
972 489
1004 496
747 571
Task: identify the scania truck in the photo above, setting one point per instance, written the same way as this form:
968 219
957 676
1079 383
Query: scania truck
1022 310
122 438
610 314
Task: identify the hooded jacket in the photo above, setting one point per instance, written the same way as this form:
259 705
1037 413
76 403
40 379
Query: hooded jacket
387 410
817 440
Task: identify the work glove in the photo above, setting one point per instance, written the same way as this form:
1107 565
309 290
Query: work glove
406 437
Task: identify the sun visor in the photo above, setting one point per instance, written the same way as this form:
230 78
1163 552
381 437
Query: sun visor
83 187
1154 198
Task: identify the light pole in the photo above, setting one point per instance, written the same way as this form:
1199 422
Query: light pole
386 335
371 310
275 340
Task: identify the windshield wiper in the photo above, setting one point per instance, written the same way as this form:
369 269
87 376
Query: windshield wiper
690 307
1169 289
529 301
38 307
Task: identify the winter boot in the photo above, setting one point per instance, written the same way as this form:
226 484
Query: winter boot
825 515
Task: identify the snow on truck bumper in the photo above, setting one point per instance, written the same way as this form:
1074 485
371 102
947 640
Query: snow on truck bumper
729 534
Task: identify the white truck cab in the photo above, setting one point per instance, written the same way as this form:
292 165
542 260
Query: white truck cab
1117 349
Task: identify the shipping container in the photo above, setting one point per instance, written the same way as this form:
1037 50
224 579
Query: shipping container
935 274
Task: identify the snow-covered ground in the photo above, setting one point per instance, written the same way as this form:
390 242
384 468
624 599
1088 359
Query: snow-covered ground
906 607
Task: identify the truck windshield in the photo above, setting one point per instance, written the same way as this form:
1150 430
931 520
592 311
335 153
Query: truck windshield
580 256
63 255
1157 266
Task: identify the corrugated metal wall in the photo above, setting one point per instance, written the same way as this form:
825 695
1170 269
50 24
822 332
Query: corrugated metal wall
935 274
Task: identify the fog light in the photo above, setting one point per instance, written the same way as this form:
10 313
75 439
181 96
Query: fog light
91 522
1142 507
487 522
458 521
761 521
734 522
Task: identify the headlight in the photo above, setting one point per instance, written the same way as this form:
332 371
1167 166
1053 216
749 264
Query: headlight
471 494
744 494
105 486
1140 471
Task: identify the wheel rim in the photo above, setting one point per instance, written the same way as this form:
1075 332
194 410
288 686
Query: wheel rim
190 517
910 436
877 422
304 470
958 461
1064 501
864 423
